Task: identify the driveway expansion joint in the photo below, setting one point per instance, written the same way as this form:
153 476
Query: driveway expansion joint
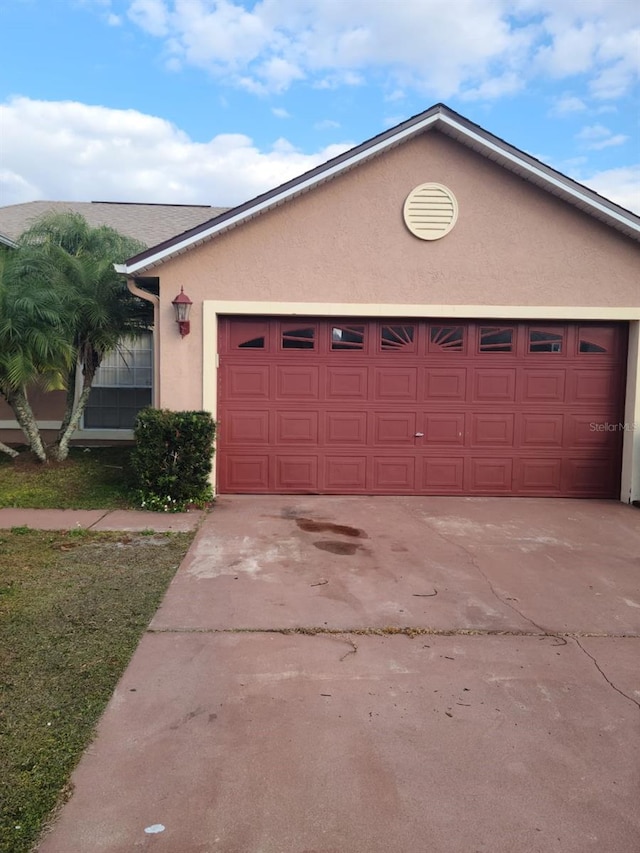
603 674
407 631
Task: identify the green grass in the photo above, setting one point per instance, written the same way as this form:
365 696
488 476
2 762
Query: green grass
72 609
91 478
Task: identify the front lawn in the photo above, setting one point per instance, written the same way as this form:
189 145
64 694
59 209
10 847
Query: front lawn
73 607
91 478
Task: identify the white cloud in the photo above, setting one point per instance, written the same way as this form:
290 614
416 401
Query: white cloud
326 124
482 48
567 104
621 185
93 152
596 137
280 112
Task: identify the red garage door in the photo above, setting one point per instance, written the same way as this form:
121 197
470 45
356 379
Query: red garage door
420 407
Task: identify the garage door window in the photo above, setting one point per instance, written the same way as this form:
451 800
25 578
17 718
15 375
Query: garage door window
541 340
449 338
299 338
397 338
122 386
495 339
347 338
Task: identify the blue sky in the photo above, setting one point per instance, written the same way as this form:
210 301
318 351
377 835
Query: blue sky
214 101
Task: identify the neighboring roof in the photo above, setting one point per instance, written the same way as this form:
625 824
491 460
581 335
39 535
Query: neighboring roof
439 117
148 223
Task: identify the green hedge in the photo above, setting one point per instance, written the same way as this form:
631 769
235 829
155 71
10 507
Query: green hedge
172 459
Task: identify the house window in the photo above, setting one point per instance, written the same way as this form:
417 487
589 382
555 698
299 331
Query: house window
122 385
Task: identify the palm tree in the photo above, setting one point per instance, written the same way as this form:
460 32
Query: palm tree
67 267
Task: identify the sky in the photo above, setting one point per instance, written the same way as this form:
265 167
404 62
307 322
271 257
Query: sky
215 101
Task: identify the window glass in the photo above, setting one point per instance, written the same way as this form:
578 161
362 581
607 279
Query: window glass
450 338
122 385
397 337
542 340
299 338
496 339
347 337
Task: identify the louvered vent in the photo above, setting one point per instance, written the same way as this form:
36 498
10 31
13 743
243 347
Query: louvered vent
430 211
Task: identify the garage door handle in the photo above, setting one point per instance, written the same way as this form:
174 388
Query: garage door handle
419 435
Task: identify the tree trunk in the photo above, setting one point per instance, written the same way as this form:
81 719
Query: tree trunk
26 419
4 448
60 449
70 400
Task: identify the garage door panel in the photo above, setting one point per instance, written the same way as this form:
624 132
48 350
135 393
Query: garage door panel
295 472
494 386
347 383
542 476
442 475
297 382
443 428
597 430
344 474
243 427
492 430
395 383
442 383
246 382
296 427
486 474
588 476
542 386
544 430
362 406
592 386
394 473
345 428
246 472
394 428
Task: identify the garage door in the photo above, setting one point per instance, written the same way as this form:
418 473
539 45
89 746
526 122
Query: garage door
420 407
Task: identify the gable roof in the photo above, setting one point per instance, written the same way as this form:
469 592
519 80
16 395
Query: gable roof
148 223
439 117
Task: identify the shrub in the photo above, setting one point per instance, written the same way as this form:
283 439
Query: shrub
172 457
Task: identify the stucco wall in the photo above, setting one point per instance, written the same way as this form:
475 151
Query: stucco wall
345 241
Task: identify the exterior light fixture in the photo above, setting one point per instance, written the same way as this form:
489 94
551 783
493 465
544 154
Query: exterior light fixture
182 306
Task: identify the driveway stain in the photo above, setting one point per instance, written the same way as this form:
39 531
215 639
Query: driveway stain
334 546
309 525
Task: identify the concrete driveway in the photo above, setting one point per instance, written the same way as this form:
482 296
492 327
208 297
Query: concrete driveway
359 675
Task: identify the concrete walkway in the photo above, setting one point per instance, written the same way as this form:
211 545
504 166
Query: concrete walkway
356 675
99 519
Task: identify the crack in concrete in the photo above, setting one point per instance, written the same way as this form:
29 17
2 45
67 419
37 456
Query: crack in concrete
603 674
98 520
474 562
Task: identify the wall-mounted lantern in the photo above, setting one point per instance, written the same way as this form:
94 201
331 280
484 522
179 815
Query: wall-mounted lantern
182 306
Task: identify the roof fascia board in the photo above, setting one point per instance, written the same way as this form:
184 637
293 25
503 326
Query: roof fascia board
524 165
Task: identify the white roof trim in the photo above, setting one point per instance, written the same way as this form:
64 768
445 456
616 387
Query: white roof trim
509 159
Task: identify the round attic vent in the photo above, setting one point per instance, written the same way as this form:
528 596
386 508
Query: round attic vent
430 211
